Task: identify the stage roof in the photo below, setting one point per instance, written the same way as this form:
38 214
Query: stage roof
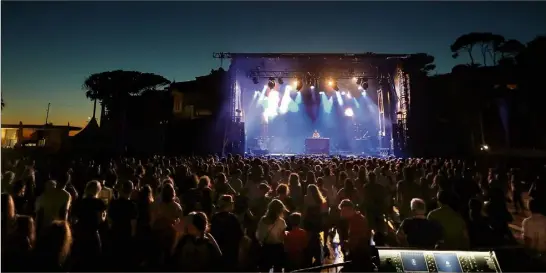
40 127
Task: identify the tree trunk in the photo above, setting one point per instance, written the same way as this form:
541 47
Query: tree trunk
484 55
102 113
470 55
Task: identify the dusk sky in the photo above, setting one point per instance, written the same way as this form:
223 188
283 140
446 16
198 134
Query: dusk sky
49 48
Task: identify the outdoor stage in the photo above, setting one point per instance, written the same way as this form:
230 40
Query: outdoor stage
356 102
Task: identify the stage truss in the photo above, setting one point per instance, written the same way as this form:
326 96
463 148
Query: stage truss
393 140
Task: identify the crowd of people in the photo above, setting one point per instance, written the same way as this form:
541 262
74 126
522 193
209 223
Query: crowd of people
209 214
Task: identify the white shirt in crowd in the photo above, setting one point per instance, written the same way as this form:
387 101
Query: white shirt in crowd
272 233
51 202
534 229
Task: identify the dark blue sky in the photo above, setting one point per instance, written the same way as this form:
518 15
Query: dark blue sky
48 48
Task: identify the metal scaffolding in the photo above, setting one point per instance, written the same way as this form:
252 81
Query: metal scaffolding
389 111
259 74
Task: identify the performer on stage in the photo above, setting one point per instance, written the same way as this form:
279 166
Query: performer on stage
316 134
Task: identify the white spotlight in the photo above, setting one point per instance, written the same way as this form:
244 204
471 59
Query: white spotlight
364 93
312 87
360 88
355 79
349 112
343 93
349 95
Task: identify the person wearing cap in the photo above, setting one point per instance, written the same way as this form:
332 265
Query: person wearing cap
227 232
358 241
196 251
270 233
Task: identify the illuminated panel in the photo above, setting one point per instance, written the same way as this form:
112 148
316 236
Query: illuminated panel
399 260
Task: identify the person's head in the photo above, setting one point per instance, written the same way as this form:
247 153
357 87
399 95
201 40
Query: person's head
295 219
294 180
475 207
320 182
241 204
371 178
346 208
111 178
54 242
418 206
221 178
126 188
362 175
7 179
18 188
92 189
50 185
197 223
282 190
314 192
264 188
443 197
311 178
275 209
145 194
61 176
204 182
343 176
348 184
167 193
225 203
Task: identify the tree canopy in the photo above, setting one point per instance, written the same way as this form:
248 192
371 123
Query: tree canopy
105 86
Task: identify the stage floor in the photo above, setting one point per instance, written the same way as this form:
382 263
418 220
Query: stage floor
316 155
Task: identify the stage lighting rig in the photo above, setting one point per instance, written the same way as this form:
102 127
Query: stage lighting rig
364 84
311 82
255 80
333 84
271 83
280 81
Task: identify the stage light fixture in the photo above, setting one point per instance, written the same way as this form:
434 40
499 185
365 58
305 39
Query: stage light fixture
355 79
255 80
271 83
333 84
359 81
299 85
364 84
349 112
280 81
